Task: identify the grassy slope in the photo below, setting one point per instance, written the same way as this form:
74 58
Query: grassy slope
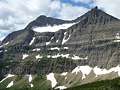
40 83
100 85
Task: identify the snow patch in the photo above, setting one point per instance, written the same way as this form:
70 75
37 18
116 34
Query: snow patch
54 28
36 49
30 78
1 51
8 76
66 55
65 47
64 73
117 37
47 43
4 44
32 41
64 39
55 48
38 57
52 79
25 56
85 70
57 41
59 55
99 71
31 85
77 58
10 84
61 87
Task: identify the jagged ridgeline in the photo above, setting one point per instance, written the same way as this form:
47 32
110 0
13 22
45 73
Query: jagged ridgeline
60 53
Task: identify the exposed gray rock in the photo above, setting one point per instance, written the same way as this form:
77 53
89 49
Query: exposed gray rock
92 37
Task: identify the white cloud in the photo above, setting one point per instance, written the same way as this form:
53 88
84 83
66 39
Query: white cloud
71 12
109 6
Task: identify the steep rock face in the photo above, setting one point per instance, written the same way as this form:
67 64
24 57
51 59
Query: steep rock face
19 37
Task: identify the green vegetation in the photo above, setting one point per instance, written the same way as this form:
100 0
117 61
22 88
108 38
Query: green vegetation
21 83
40 83
100 85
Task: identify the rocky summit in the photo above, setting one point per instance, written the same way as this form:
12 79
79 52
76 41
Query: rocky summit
50 53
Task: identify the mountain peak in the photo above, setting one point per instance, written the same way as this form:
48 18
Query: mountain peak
43 20
42 17
96 16
95 8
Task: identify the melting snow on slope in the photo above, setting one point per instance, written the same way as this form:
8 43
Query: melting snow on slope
55 48
67 56
117 37
47 43
36 49
61 87
32 41
66 48
59 55
52 79
10 84
30 80
99 71
25 56
8 76
31 85
1 51
79 58
52 28
38 57
4 44
84 69
64 73
64 39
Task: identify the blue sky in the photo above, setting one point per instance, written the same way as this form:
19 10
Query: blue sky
16 14
86 5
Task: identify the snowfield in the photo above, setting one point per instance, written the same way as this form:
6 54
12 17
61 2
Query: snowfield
85 70
54 28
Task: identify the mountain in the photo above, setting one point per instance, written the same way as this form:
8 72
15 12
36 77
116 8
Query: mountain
61 54
44 20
